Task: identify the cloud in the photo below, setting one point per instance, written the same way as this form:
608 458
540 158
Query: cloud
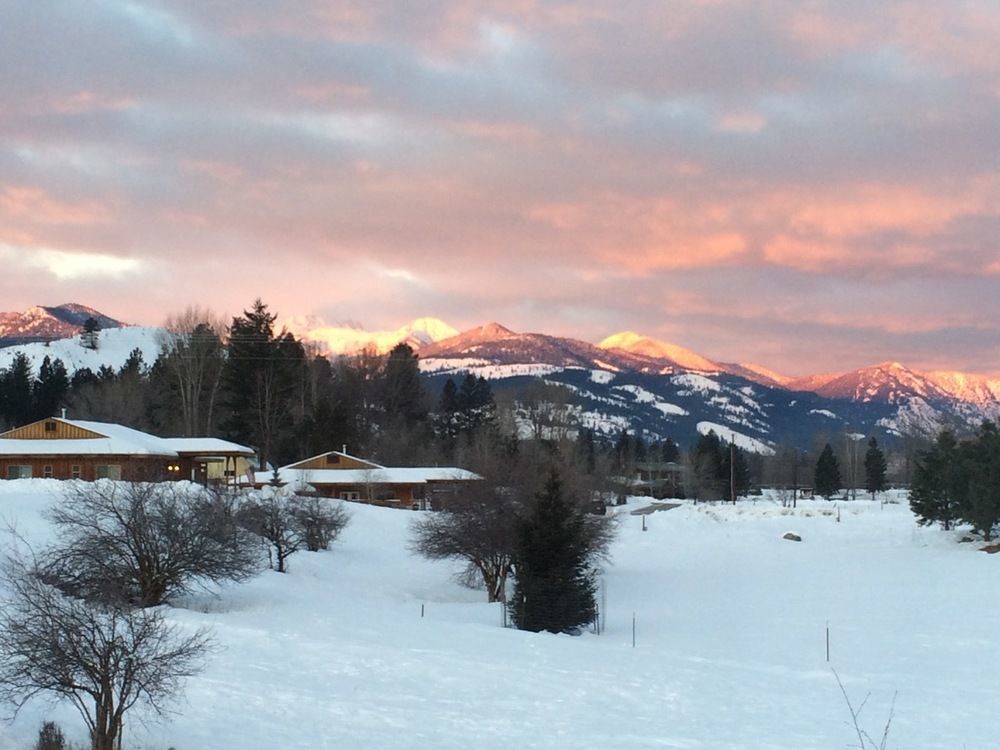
591 166
68 265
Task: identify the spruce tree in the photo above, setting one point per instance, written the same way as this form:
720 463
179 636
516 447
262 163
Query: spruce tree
555 583
827 477
403 398
875 468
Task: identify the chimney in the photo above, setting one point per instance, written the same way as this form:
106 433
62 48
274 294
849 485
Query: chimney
343 449
64 412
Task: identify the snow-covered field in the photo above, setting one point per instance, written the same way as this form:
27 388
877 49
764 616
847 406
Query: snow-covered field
730 642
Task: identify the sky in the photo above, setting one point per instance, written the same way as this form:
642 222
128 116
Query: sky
812 186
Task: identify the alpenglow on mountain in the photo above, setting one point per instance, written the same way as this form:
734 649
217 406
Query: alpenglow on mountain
626 382
41 323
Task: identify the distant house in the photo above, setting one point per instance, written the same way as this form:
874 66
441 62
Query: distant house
338 474
61 448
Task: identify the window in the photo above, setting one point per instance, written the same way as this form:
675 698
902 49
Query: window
47 471
332 458
110 471
75 472
50 426
350 495
18 472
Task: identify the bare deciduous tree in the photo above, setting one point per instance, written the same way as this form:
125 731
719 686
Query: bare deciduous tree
479 529
103 658
142 543
192 357
288 522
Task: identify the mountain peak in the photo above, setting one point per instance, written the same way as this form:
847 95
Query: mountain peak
635 343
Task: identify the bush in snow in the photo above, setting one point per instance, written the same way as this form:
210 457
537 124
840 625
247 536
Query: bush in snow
289 522
142 543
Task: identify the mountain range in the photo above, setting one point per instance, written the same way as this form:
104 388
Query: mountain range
626 381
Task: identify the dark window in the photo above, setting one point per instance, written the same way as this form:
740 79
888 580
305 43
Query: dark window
50 426
75 473
332 458
18 472
47 471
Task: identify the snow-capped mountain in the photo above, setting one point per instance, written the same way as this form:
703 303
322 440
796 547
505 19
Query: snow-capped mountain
350 337
634 343
40 323
627 381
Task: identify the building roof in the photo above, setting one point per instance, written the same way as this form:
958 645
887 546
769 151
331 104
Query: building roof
385 475
116 440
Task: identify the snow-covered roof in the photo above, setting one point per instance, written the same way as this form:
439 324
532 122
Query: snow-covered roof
406 475
116 440
207 446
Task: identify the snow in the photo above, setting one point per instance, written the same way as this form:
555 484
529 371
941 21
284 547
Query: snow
114 346
727 434
486 369
730 625
381 475
694 383
601 376
116 440
350 338
823 413
635 343
642 396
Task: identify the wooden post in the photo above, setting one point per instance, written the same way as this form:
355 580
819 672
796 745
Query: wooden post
732 469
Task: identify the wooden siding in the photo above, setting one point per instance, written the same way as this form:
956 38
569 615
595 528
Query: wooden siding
343 462
37 431
132 469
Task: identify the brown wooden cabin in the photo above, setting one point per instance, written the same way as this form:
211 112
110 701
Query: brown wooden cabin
59 448
338 474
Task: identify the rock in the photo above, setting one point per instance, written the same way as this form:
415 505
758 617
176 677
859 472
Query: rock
792 537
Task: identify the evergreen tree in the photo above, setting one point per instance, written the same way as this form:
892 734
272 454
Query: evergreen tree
260 378
403 398
706 468
90 332
875 468
16 386
555 584
979 495
669 451
740 476
50 388
936 484
827 477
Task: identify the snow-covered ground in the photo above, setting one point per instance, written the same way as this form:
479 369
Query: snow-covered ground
730 642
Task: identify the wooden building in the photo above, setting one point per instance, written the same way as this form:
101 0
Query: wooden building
338 474
59 448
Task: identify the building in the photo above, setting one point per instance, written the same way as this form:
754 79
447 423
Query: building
60 448
338 474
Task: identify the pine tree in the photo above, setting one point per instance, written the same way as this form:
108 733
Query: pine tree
706 470
740 476
260 378
555 583
979 496
89 335
50 388
827 477
15 388
875 468
403 396
669 451
936 484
